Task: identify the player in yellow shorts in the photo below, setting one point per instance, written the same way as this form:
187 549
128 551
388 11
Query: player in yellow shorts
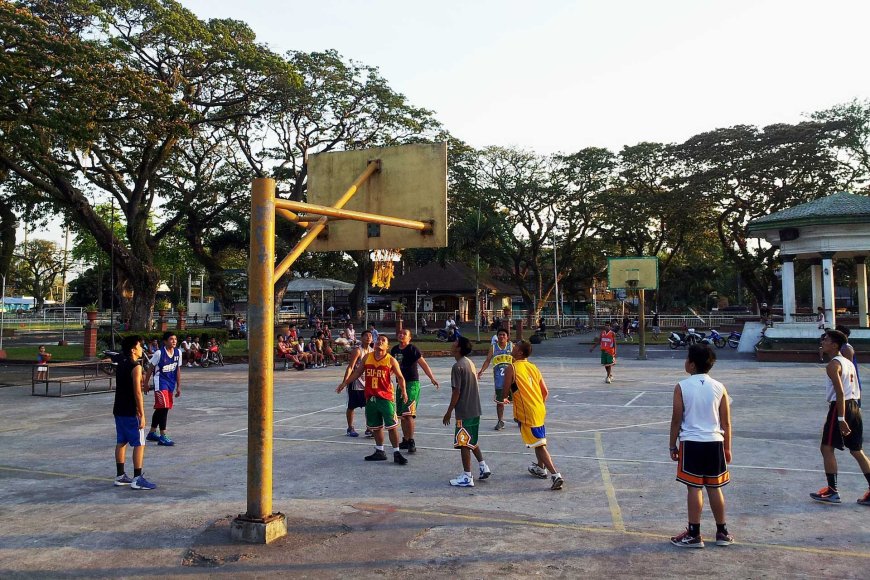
529 394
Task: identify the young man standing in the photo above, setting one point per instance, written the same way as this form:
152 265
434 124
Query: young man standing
356 398
129 412
607 341
701 420
166 365
465 401
378 369
500 356
844 427
529 395
409 357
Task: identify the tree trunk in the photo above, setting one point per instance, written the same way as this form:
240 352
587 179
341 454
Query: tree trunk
8 224
357 295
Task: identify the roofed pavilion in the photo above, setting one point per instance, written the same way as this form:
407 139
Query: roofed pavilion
821 231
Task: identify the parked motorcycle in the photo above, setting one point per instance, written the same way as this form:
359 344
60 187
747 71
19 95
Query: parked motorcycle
211 356
110 361
676 340
734 339
715 338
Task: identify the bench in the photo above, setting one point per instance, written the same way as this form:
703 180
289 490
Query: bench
94 376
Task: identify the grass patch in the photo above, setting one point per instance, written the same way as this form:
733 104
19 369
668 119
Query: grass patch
72 352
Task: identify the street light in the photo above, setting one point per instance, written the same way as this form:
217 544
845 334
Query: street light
2 308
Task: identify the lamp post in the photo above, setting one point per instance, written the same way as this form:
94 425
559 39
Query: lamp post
2 308
556 278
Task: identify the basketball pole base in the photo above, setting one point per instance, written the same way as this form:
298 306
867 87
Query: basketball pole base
258 530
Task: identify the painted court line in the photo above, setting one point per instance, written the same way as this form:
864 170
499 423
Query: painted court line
641 394
615 512
343 405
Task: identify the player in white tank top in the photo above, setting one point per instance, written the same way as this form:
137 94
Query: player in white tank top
848 379
701 398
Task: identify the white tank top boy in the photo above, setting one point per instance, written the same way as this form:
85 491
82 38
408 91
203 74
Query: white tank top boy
701 398
848 378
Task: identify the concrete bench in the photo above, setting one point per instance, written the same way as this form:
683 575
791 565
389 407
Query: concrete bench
92 377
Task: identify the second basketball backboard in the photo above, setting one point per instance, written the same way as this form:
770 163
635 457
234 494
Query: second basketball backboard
633 273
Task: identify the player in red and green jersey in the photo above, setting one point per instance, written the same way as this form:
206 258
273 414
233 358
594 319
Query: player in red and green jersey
378 369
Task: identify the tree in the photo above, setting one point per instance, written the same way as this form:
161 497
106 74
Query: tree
38 263
99 97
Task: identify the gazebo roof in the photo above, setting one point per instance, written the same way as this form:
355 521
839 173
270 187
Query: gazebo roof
451 278
836 209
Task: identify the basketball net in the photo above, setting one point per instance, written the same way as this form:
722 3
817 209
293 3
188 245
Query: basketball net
383 260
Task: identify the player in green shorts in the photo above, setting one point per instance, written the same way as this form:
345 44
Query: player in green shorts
409 357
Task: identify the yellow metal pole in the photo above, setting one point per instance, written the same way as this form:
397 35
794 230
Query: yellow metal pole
313 231
260 348
352 215
292 217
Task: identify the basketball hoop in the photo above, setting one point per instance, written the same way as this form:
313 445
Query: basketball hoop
382 276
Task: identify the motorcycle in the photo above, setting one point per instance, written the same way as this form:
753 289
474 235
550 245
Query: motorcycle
443 335
676 340
715 339
109 363
211 356
734 339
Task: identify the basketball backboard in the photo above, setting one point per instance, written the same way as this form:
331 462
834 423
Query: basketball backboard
411 184
633 273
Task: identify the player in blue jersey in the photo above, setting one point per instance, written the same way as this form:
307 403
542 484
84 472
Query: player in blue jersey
166 374
500 357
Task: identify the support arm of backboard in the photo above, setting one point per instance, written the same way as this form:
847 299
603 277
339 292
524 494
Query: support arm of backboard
314 230
423 227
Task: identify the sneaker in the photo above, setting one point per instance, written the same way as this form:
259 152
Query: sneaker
412 446
378 455
499 426
403 445
462 481
123 479
141 483
164 440
684 540
608 380
826 495
196 364
557 483
485 472
351 433
399 458
189 365
538 471
152 436
369 433
865 500
724 539
338 364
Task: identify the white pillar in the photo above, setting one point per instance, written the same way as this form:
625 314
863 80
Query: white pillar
828 288
816 272
861 279
788 295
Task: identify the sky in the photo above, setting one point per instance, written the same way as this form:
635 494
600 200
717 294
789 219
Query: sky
558 76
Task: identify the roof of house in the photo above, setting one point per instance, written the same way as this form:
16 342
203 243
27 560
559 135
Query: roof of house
835 209
451 278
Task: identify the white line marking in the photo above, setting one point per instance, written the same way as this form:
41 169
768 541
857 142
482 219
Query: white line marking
584 457
291 418
628 404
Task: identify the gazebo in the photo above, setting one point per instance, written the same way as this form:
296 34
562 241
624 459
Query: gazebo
821 231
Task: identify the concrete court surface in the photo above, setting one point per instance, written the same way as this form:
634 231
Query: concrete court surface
60 516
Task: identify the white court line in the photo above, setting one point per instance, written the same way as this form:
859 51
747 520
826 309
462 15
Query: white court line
291 418
628 404
370 442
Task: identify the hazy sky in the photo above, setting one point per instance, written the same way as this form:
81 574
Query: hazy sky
559 76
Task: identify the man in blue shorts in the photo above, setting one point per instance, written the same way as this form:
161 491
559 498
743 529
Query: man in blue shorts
500 356
129 412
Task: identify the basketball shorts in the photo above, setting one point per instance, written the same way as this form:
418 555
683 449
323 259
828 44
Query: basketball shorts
128 432
702 464
607 359
465 434
533 436
409 408
381 414
831 435
163 399
356 399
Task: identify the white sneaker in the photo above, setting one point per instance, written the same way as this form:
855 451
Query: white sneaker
538 471
190 366
485 472
609 379
462 481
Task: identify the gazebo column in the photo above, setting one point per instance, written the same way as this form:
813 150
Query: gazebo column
828 288
789 305
816 274
861 279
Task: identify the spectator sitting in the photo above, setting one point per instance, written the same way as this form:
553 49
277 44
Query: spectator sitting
342 340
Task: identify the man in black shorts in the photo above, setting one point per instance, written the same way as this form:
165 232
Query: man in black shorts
356 392
843 425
